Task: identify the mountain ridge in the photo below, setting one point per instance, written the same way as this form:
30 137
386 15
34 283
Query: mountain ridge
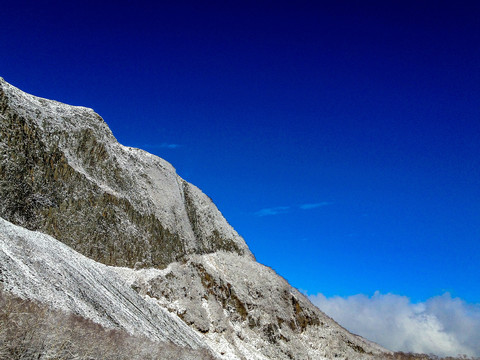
66 156
62 173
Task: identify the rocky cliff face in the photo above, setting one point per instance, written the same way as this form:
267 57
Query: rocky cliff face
246 311
63 173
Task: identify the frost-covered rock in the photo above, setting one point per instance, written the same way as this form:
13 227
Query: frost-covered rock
35 266
63 173
246 311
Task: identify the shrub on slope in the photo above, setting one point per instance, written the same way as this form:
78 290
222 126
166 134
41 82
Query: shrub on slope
29 330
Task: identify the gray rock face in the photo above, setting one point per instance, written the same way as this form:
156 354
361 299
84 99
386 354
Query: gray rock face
246 311
63 173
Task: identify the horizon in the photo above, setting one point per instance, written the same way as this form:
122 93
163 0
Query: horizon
341 140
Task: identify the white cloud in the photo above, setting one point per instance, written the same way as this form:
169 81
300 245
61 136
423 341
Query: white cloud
442 325
273 211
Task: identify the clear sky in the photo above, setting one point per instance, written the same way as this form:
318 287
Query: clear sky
341 139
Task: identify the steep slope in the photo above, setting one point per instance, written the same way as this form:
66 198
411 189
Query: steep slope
246 311
30 330
63 173
36 266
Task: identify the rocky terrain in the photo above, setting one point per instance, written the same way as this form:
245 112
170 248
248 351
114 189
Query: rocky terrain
114 235
62 172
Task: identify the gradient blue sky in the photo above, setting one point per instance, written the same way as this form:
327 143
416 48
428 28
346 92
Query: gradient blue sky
340 138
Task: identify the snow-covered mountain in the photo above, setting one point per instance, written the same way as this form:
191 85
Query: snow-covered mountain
65 174
113 234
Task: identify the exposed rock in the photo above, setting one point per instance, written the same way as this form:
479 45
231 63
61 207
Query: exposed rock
62 172
247 310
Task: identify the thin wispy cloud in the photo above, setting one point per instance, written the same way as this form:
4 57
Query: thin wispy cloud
287 209
170 146
314 205
442 325
162 146
272 211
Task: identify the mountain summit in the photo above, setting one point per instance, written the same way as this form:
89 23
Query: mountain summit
143 250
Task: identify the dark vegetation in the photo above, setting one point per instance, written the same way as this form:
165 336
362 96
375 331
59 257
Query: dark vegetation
32 331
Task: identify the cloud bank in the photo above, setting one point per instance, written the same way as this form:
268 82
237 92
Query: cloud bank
442 325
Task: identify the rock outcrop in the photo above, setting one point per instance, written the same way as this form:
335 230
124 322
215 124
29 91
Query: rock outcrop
246 311
62 172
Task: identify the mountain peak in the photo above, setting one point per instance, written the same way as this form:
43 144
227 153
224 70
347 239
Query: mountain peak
115 204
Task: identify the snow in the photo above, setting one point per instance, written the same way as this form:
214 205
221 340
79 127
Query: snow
36 266
265 296
232 304
152 184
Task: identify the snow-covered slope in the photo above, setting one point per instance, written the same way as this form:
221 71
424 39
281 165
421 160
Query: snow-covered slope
36 266
63 173
236 307
245 310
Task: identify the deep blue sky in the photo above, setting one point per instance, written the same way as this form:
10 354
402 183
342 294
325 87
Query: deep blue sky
371 110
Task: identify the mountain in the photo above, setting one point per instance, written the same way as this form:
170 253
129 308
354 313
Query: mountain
114 235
